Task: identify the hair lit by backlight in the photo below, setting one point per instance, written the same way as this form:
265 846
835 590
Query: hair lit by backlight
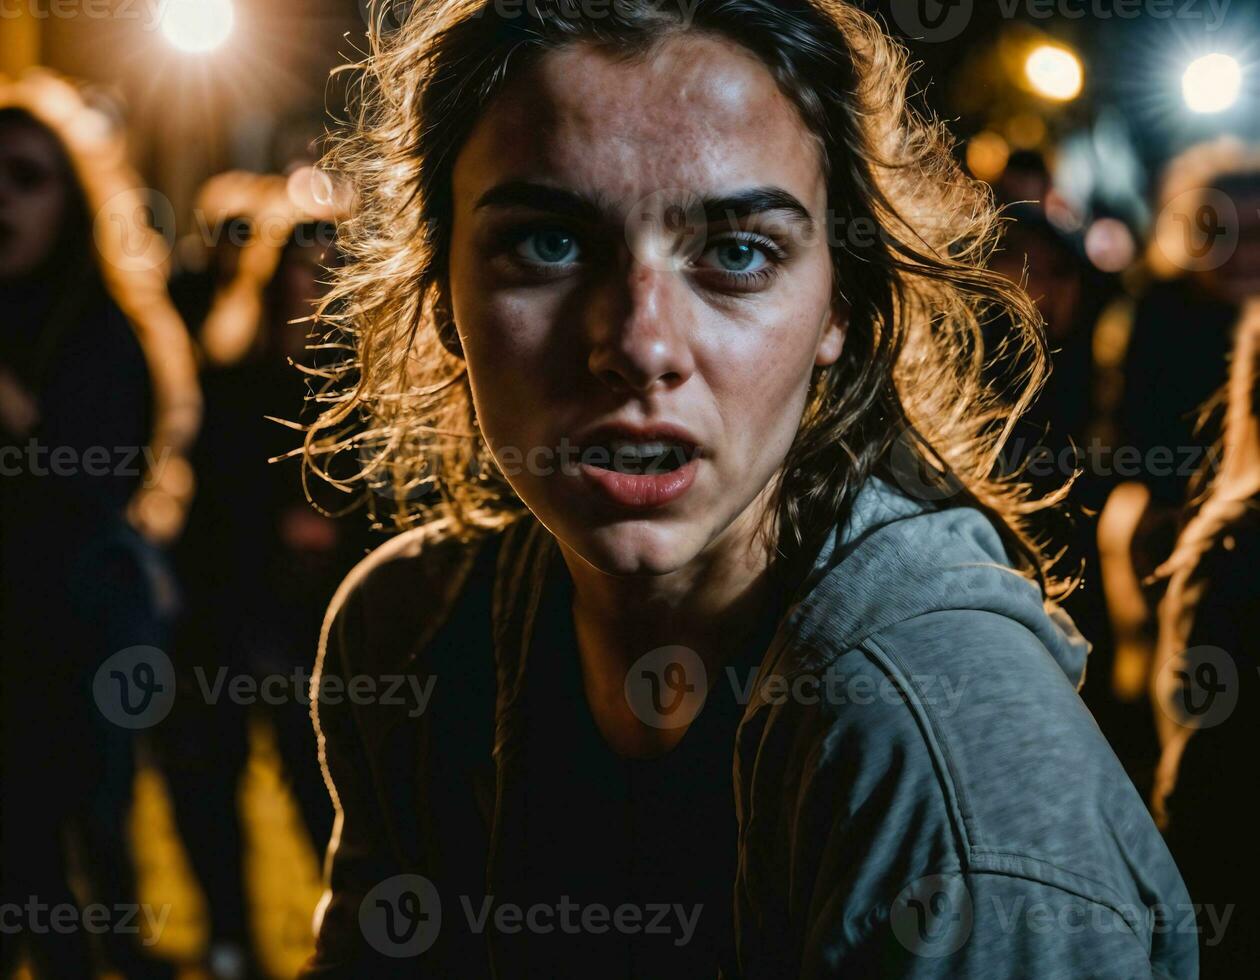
914 379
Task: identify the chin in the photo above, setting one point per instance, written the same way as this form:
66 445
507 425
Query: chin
634 549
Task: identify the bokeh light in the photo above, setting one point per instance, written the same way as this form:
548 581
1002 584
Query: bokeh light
1055 72
1212 83
197 26
987 154
1110 245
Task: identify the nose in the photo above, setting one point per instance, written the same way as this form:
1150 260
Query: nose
641 332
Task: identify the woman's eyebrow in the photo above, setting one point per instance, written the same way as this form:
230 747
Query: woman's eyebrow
545 197
756 200
559 200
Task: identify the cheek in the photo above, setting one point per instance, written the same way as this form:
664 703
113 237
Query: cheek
760 394
505 348
760 374
39 220
42 211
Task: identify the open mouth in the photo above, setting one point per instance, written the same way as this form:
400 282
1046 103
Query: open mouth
639 458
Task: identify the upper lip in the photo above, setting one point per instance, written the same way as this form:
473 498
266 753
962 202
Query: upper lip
638 432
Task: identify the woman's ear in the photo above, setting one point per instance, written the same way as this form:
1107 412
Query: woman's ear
831 339
444 323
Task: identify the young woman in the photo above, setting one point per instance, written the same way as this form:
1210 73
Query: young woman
729 656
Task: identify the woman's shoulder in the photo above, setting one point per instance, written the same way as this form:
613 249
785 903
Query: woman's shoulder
394 601
921 668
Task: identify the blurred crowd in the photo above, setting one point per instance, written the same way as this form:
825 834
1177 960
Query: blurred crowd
153 554
158 544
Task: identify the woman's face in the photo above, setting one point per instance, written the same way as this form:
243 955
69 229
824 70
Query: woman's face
640 372
34 197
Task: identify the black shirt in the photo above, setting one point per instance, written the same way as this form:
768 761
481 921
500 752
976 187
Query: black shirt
629 862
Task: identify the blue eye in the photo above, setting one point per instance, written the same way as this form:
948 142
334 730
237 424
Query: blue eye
548 247
738 256
743 261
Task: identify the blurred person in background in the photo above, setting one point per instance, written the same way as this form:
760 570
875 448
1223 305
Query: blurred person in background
1025 180
258 564
1205 256
1207 685
1070 294
208 268
98 399
1053 440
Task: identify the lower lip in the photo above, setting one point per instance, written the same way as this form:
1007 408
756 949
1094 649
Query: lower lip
641 492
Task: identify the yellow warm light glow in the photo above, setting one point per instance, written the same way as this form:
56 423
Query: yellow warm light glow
197 26
1054 72
987 154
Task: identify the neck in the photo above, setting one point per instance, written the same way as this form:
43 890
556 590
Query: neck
710 606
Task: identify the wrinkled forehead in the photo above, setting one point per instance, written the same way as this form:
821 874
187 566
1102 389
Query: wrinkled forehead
698 113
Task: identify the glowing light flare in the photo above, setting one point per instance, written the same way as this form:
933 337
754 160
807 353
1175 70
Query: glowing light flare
197 26
987 155
1212 83
1110 245
1054 72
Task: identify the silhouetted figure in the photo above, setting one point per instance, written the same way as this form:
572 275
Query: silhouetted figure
84 421
258 565
1207 686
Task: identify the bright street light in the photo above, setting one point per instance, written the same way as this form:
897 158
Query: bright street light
1055 72
1212 83
197 26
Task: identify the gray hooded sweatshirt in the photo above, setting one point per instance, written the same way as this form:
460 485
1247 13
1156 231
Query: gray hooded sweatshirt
920 791
947 807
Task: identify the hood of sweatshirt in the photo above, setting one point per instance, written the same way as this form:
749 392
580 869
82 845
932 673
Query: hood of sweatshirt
899 557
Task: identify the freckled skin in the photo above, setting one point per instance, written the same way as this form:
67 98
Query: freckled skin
617 339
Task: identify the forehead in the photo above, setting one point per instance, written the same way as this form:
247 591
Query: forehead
698 113
27 139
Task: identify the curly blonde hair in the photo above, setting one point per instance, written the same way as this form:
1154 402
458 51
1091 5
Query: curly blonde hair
915 387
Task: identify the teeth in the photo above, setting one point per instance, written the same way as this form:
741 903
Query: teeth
626 456
641 448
